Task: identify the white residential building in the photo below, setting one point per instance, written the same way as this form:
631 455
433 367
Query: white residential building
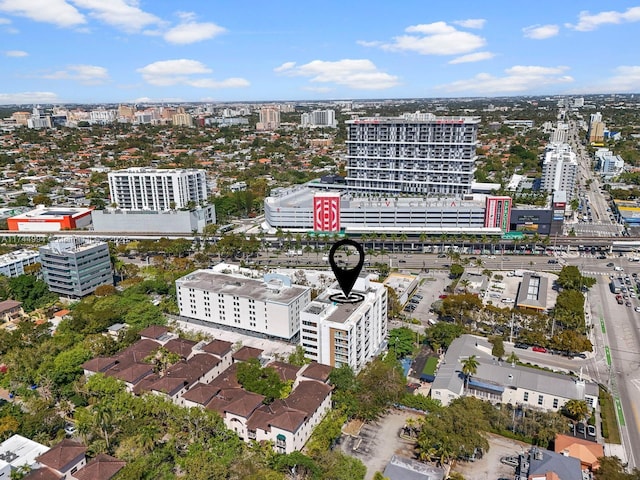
501 382
269 306
102 116
345 334
12 264
609 164
416 153
560 169
157 189
319 118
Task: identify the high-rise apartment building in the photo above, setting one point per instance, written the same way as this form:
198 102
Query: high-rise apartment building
345 334
595 133
417 154
157 189
560 169
319 118
269 119
74 267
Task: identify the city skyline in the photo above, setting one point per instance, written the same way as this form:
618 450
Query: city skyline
90 51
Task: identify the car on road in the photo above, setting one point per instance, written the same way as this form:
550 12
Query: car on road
637 309
609 264
539 349
591 430
627 303
523 346
552 261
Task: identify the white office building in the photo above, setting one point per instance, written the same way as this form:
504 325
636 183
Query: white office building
145 188
12 264
560 169
345 334
319 118
416 153
267 306
498 381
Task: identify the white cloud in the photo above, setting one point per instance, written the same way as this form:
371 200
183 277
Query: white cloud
357 74
471 23
473 57
366 43
540 32
57 12
190 31
86 74
519 78
180 72
588 21
285 66
122 14
28 97
16 53
437 38
4 21
626 79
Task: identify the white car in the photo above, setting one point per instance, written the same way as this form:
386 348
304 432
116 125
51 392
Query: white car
508 300
637 309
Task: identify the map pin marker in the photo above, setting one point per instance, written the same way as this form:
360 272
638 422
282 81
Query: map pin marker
346 277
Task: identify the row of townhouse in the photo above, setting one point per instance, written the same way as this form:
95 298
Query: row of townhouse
205 376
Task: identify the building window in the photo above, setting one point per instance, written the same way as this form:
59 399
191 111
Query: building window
555 403
540 399
526 396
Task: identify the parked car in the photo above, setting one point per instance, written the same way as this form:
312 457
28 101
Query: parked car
523 346
539 349
591 430
580 428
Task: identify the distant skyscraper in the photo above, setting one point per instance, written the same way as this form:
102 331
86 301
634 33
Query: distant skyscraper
157 189
269 119
596 128
417 154
319 118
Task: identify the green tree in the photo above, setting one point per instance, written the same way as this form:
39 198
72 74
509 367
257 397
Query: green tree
456 270
401 341
297 357
571 279
442 334
262 380
497 349
576 409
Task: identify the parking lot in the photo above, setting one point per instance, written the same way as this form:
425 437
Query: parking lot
489 466
378 441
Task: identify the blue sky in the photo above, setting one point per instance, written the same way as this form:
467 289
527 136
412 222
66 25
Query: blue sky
210 50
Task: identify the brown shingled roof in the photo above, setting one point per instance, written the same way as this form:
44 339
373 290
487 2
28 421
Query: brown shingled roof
218 347
99 364
103 467
236 401
277 415
247 353
227 379
308 396
8 305
317 371
181 346
154 331
201 393
43 473
286 371
62 455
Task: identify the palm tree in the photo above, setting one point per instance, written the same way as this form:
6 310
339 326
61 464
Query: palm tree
512 358
469 367
403 239
578 409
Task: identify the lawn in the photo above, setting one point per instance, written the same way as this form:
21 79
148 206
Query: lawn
430 366
610 429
